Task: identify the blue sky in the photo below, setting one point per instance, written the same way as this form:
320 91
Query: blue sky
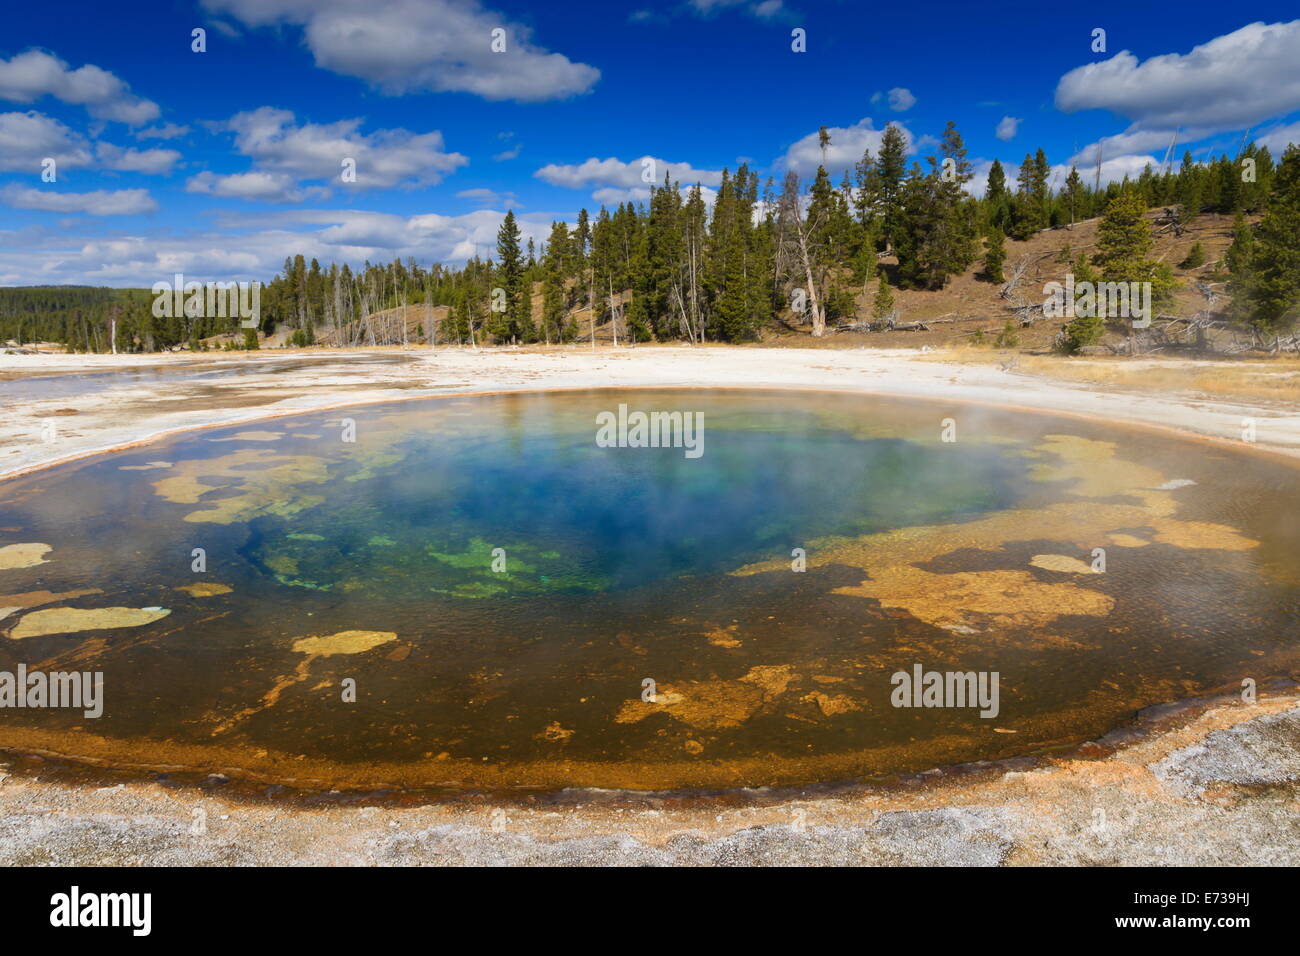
219 164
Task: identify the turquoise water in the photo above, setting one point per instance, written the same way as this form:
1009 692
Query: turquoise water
574 517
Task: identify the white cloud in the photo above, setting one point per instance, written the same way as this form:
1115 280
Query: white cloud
102 202
610 196
28 76
768 9
407 46
490 197
1278 138
384 158
41 256
622 181
165 131
847 146
28 138
510 153
1139 141
763 10
901 100
224 28
283 154
1008 126
152 161
1113 170
255 186
1231 82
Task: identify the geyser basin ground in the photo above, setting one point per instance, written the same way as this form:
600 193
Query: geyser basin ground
372 561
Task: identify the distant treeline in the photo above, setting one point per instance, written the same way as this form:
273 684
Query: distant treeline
793 253
80 317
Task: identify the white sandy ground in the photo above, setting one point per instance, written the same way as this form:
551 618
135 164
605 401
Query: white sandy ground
124 415
1218 787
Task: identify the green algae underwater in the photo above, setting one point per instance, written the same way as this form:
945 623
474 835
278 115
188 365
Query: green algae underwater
471 593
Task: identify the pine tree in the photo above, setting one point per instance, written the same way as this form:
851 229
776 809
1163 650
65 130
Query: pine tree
1195 257
581 254
1254 193
1188 190
867 193
514 324
1031 206
890 167
995 256
997 202
882 306
1266 265
664 248
937 236
1074 193
1008 338
1084 330
954 244
735 308
555 269
1124 243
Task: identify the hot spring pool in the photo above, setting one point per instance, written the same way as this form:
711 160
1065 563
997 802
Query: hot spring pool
473 593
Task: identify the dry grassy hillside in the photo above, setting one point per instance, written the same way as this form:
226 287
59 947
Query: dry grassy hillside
966 305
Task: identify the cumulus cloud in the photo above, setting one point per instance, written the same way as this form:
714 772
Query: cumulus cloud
27 77
900 100
1278 138
408 46
101 202
165 131
255 186
1231 82
26 139
1007 128
611 196
1113 170
848 143
763 10
49 256
151 161
1139 141
285 154
490 197
619 181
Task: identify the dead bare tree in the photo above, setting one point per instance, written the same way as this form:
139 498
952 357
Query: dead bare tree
794 249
